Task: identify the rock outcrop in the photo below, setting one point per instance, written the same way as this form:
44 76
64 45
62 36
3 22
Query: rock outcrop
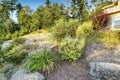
105 71
23 75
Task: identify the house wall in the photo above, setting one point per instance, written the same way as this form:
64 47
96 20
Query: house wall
112 17
114 13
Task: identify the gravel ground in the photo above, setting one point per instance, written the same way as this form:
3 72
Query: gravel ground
103 53
68 71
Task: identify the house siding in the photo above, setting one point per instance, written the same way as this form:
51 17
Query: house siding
114 12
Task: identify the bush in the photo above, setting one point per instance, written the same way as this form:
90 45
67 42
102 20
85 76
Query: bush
71 49
15 54
85 29
8 36
63 29
100 20
16 34
44 61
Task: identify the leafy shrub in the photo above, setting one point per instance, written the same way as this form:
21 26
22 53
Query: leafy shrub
15 54
8 36
16 34
63 29
71 49
85 29
44 61
100 20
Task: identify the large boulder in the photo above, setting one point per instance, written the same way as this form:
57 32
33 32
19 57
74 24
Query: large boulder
23 75
105 71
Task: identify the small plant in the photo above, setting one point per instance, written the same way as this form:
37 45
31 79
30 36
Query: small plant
100 20
44 61
85 29
71 49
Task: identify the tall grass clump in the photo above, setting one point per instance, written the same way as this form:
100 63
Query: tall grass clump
44 61
109 37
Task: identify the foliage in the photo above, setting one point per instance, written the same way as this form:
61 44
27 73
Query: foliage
100 20
71 49
110 37
44 60
99 5
85 29
8 71
24 18
63 29
15 54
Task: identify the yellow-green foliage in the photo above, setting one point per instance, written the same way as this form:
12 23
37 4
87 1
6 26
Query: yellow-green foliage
85 29
110 37
71 49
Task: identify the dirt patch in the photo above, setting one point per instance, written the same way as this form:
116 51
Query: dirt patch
68 71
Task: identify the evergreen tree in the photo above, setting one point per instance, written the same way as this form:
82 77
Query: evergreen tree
37 18
24 19
56 11
47 3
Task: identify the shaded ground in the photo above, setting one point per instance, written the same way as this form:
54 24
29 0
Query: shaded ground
67 71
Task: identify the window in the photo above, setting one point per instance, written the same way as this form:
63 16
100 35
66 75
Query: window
116 22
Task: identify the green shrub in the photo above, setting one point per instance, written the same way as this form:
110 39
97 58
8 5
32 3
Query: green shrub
85 29
8 36
15 55
63 29
16 34
71 49
44 60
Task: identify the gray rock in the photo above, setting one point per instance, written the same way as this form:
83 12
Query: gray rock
105 71
23 75
6 44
